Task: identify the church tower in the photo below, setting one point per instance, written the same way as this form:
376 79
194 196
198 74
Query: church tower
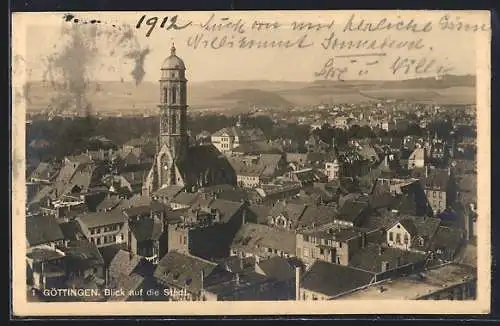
173 138
173 107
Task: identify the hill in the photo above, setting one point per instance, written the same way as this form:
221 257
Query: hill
127 98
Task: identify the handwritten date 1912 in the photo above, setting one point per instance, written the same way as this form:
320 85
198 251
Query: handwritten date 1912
167 22
419 66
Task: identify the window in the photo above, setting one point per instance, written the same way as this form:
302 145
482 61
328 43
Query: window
98 230
391 236
306 238
174 95
340 244
321 251
398 238
122 237
98 241
406 238
306 252
92 231
165 94
269 250
174 123
184 240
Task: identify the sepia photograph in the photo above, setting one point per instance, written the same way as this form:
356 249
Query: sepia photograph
261 162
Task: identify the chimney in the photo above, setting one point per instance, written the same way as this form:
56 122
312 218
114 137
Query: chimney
297 283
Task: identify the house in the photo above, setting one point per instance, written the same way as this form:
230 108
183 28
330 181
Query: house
326 281
197 228
270 279
184 200
167 193
84 261
263 241
123 277
307 176
104 228
44 173
352 212
317 215
447 243
332 168
332 243
183 277
285 215
45 262
387 262
226 139
412 233
441 189
43 231
144 238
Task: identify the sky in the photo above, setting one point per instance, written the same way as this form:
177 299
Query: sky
45 46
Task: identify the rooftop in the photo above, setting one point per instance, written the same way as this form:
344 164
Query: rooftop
415 286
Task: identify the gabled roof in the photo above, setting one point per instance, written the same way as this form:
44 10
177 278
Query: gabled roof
277 268
41 229
183 271
251 236
372 256
169 191
226 208
123 264
96 219
351 210
317 215
291 211
408 225
185 198
334 279
83 254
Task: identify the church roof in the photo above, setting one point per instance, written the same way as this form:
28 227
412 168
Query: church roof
173 61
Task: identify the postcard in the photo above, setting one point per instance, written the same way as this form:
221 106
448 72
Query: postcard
250 163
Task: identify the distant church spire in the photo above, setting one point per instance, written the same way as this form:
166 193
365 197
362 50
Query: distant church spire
172 49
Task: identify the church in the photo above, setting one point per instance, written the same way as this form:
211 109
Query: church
177 161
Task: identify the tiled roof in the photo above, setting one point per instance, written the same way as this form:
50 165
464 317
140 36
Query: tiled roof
278 268
317 215
252 236
71 230
42 229
259 213
185 198
83 254
372 256
350 210
226 208
183 271
169 191
291 211
95 219
44 171
334 279
123 264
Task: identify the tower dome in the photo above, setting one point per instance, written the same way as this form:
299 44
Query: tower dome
173 61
